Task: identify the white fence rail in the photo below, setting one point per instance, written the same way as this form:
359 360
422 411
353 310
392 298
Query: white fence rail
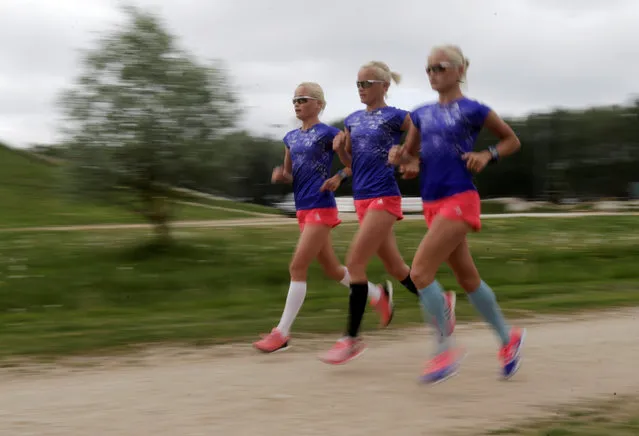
511 205
409 204
347 205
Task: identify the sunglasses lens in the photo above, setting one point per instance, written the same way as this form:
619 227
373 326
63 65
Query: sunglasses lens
364 84
300 100
435 69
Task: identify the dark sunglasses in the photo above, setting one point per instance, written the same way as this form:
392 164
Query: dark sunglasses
365 84
437 68
302 99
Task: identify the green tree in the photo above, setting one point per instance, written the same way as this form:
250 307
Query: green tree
143 117
588 153
245 167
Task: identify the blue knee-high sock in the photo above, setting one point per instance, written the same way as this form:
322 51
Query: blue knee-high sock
483 298
432 299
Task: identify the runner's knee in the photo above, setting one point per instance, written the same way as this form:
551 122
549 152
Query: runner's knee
421 276
356 267
468 282
398 270
334 272
298 270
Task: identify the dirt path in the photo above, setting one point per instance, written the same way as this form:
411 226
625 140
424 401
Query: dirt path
227 209
235 391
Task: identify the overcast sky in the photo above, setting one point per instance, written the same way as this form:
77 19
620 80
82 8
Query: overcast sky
526 55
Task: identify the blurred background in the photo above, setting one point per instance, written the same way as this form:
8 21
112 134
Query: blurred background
137 141
118 115
197 94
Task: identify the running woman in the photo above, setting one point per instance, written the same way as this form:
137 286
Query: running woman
307 163
368 136
446 132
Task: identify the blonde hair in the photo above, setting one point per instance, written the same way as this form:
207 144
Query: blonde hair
383 72
455 56
315 91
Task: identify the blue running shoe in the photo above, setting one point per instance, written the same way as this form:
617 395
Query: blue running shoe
510 355
443 366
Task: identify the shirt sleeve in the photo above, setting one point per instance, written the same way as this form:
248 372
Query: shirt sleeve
328 137
477 114
415 118
399 116
347 123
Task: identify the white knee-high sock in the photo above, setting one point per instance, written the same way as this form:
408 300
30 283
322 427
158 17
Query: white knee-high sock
294 301
373 290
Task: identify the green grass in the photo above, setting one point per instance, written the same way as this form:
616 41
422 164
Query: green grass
618 417
490 206
30 196
75 292
248 207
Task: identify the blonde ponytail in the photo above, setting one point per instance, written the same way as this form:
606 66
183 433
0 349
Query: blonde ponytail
396 77
383 72
455 56
314 90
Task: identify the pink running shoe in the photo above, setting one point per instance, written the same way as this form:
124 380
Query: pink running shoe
272 342
510 355
443 366
384 306
344 350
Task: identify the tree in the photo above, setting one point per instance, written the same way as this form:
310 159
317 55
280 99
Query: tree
143 115
249 166
588 153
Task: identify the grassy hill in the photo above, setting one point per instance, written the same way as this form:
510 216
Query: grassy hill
30 195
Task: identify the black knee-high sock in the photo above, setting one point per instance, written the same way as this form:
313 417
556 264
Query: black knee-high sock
408 284
356 307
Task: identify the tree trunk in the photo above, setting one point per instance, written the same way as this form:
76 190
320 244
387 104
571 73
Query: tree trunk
162 231
158 212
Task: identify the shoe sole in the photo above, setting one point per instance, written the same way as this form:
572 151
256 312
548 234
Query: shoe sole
353 357
519 356
451 375
278 350
441 380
